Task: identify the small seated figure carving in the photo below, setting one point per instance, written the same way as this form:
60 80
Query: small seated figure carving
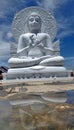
35 47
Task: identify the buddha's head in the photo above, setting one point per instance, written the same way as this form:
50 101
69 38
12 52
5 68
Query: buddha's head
34 22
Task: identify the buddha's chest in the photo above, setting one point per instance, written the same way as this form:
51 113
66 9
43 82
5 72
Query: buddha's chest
35 52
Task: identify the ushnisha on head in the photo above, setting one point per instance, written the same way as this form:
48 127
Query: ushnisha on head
34 23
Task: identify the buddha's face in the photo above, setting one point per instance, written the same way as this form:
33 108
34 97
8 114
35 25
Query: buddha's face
34 23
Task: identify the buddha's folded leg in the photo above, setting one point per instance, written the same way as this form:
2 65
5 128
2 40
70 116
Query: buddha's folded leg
54 61
25 61
19 63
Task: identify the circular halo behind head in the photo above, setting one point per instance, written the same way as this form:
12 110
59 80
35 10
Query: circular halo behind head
19 25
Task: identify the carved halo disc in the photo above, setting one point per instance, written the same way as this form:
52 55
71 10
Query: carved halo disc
19 25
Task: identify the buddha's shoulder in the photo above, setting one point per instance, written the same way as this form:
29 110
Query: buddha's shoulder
26 35
44 34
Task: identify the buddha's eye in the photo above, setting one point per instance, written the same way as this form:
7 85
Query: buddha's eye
31 19
37 19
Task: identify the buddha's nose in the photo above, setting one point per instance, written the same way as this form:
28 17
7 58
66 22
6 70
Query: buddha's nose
34 21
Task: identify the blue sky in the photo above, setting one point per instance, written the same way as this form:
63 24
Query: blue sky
63 12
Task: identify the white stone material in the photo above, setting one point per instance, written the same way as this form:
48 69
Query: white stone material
58 60
19 25
36 72
36 56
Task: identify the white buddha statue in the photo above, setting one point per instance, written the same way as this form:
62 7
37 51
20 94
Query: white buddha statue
35 48
36 55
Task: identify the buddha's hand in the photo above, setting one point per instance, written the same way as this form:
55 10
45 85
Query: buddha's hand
32 40
38 41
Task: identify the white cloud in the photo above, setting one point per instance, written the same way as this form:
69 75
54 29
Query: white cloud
51 4
9 6
4 28
4 49
65 33
9 35
5 32
65 24
69 62
3 8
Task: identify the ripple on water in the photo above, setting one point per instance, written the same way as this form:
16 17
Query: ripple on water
55 96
